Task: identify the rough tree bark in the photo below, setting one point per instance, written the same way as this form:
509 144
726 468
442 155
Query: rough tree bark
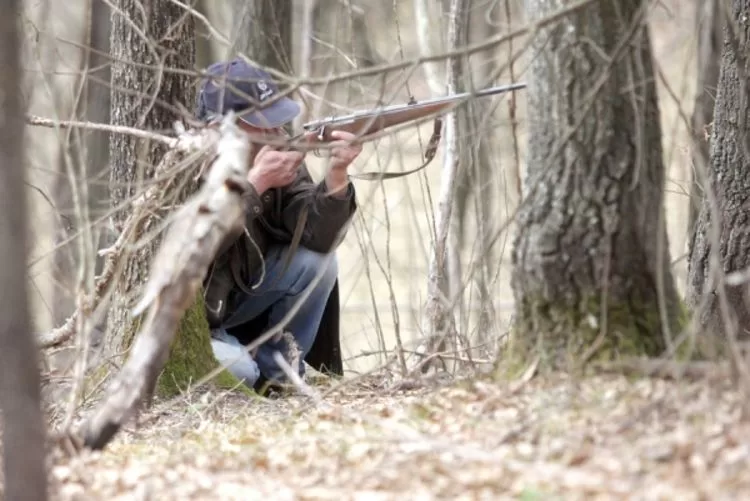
591 274
709 23
147 94
23 435
721 244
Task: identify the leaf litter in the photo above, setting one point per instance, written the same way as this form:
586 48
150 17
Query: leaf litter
602 437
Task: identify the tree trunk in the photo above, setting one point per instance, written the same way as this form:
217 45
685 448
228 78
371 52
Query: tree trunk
23 435
722 225
147 96
710 21
205 53
591 274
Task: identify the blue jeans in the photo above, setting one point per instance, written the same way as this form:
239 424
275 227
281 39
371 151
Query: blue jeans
280 293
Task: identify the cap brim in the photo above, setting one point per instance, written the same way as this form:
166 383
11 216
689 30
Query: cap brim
276 115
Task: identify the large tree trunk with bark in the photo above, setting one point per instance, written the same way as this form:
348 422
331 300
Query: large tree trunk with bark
721 244
709 23
591 274
148 94
23 429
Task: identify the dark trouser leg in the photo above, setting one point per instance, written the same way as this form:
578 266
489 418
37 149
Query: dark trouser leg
281 293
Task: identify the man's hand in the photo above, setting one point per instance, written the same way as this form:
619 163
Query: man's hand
274 169
343 153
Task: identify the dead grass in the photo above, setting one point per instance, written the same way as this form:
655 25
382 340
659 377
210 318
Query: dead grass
606 437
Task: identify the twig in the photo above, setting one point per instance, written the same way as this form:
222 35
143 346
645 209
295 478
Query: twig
117 129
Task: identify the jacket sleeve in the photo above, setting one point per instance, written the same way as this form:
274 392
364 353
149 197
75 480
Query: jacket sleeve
326 215
252 208
219 280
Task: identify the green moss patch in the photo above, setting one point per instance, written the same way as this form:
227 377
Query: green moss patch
191 357
567 336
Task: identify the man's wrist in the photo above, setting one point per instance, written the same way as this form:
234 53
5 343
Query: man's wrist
337 182
257 182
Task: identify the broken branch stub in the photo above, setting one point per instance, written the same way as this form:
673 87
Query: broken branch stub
178 269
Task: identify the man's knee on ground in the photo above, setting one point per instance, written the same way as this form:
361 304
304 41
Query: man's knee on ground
230 353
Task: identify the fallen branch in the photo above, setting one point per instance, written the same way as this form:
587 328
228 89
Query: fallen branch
179 267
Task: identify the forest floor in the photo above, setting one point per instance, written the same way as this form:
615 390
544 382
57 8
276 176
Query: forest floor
602 437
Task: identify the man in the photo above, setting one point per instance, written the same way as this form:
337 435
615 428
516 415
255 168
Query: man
256 278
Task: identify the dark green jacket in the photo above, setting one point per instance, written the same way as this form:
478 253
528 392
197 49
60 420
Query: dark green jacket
272 218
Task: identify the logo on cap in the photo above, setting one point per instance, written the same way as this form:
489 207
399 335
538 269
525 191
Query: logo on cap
264 90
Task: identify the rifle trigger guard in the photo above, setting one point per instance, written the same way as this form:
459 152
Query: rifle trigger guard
320 136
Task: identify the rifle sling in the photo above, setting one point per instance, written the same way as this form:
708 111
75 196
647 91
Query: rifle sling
429 154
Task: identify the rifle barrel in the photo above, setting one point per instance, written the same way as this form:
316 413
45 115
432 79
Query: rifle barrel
384 110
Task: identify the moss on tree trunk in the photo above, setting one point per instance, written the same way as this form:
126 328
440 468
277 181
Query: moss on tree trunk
191 356
591 275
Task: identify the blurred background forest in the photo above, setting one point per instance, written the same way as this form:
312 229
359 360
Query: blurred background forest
384 259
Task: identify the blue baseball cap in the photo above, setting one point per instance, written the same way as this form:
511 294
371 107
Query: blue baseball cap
239 86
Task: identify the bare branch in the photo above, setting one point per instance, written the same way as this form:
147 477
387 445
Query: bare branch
118 129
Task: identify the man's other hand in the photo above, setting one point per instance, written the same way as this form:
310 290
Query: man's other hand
274 169
342 153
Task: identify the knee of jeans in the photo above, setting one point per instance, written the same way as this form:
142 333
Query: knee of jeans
311 262
238 361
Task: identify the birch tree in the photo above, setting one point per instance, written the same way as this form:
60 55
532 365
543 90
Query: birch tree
439 323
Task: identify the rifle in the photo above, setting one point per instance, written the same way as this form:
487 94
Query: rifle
367 123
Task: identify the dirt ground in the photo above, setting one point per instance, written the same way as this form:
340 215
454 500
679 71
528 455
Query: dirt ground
603 437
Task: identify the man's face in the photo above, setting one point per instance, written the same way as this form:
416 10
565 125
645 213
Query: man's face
251 129
257 131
